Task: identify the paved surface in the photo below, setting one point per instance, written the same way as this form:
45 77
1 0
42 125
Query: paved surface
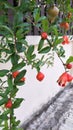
57 114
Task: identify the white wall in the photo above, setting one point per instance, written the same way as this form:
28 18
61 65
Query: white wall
34 92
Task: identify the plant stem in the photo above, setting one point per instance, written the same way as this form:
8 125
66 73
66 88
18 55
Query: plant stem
10 121
61 61
15 43
16 49
34 24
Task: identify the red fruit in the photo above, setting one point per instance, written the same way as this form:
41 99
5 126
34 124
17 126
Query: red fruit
14 74
44 35
8 104
64 25
68 66
22 79
40 76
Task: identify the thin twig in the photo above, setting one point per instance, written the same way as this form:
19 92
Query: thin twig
61 61
34 24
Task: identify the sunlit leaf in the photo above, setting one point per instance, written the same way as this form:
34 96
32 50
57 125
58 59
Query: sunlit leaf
18 66
41 43
3 72
70 59
45 50
19 76
17 102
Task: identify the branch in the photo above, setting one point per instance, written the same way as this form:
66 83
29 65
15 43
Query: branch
34 24
19 2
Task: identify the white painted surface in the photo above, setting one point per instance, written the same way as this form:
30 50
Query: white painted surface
34 92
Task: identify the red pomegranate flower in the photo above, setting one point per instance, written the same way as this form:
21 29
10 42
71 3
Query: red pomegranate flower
69 78
65 40
64 78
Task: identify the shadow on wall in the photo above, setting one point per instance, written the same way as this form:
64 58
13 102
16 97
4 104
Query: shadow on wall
54 115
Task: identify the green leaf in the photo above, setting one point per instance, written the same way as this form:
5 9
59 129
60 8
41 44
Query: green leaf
45 25
41 43
11 47
14 58
6 51
6 28
70 59
38 64
7 111
20 83
3 72
4 117
20 48
30 50
36 14
23 25
57 41
53 29
42 18
18 18
14 91
2 95
19 76
45 50
17 102
61 51
30 54
3 101
18 66
8 6
10 83
8 90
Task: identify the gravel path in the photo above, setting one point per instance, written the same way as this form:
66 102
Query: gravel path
57 114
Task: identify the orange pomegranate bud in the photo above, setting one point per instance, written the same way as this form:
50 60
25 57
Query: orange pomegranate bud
14 74
8 104
44 35
69 15
68 66
65 25
23 79
40 76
